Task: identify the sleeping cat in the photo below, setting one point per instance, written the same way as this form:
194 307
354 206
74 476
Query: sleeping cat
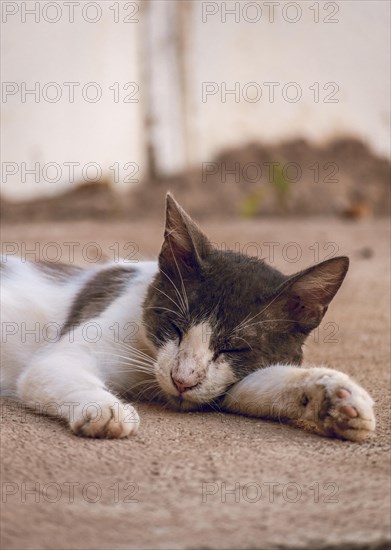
210 328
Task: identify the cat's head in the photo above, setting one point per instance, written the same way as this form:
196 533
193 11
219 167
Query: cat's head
215 316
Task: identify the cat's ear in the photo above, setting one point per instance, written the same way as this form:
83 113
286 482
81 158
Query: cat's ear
184 244
306 296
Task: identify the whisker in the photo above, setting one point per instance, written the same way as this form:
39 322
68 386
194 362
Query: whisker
156 394
128 358
176 288
270 303
244 340
127 347
214 406
241 323
180 275
142 393
132 369
131 366
148 383
171 299
165 309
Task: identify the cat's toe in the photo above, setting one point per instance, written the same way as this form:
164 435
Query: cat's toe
350 413
114 420
342 408
343 403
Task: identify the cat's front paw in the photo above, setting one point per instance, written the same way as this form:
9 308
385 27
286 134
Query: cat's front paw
337 405
105 420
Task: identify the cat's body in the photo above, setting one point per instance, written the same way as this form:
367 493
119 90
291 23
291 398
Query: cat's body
37 317
197 328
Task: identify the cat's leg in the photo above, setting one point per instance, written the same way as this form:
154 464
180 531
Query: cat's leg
65 382
314 398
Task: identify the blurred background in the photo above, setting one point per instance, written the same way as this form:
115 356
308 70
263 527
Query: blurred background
243 108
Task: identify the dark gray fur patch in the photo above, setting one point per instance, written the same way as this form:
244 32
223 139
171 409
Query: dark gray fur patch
258 316
229 289
97 295
59 271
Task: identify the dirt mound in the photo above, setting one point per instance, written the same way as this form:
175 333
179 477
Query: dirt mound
295 178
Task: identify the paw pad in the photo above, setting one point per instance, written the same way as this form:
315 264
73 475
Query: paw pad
342 393
344 409
347 410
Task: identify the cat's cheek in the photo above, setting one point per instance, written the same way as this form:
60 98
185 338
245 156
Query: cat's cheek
165 361
219 377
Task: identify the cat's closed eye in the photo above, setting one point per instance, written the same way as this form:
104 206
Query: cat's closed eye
177 331
230 351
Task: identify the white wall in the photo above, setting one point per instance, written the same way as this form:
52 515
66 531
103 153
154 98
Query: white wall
184 128
353 53
103 132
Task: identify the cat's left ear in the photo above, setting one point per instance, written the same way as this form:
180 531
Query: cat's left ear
307 295
184 242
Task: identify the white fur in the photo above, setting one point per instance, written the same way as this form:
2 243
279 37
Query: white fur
191 362
79 380
66 376
278 391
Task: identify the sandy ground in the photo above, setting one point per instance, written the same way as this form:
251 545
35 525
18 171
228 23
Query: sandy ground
206 481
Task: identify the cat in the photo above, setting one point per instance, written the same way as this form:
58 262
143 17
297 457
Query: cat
211 329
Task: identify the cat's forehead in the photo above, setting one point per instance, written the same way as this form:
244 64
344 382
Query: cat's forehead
245 274
238 282
231 287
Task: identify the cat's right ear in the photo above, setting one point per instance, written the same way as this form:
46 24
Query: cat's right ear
306 296
185 246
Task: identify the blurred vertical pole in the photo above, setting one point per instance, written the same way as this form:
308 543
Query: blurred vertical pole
184 34
162 59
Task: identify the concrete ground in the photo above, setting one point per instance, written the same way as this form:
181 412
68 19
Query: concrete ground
213 481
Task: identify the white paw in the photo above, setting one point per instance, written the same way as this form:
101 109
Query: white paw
110 420
337 405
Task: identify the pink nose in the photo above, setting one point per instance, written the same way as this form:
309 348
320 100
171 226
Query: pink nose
181 386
